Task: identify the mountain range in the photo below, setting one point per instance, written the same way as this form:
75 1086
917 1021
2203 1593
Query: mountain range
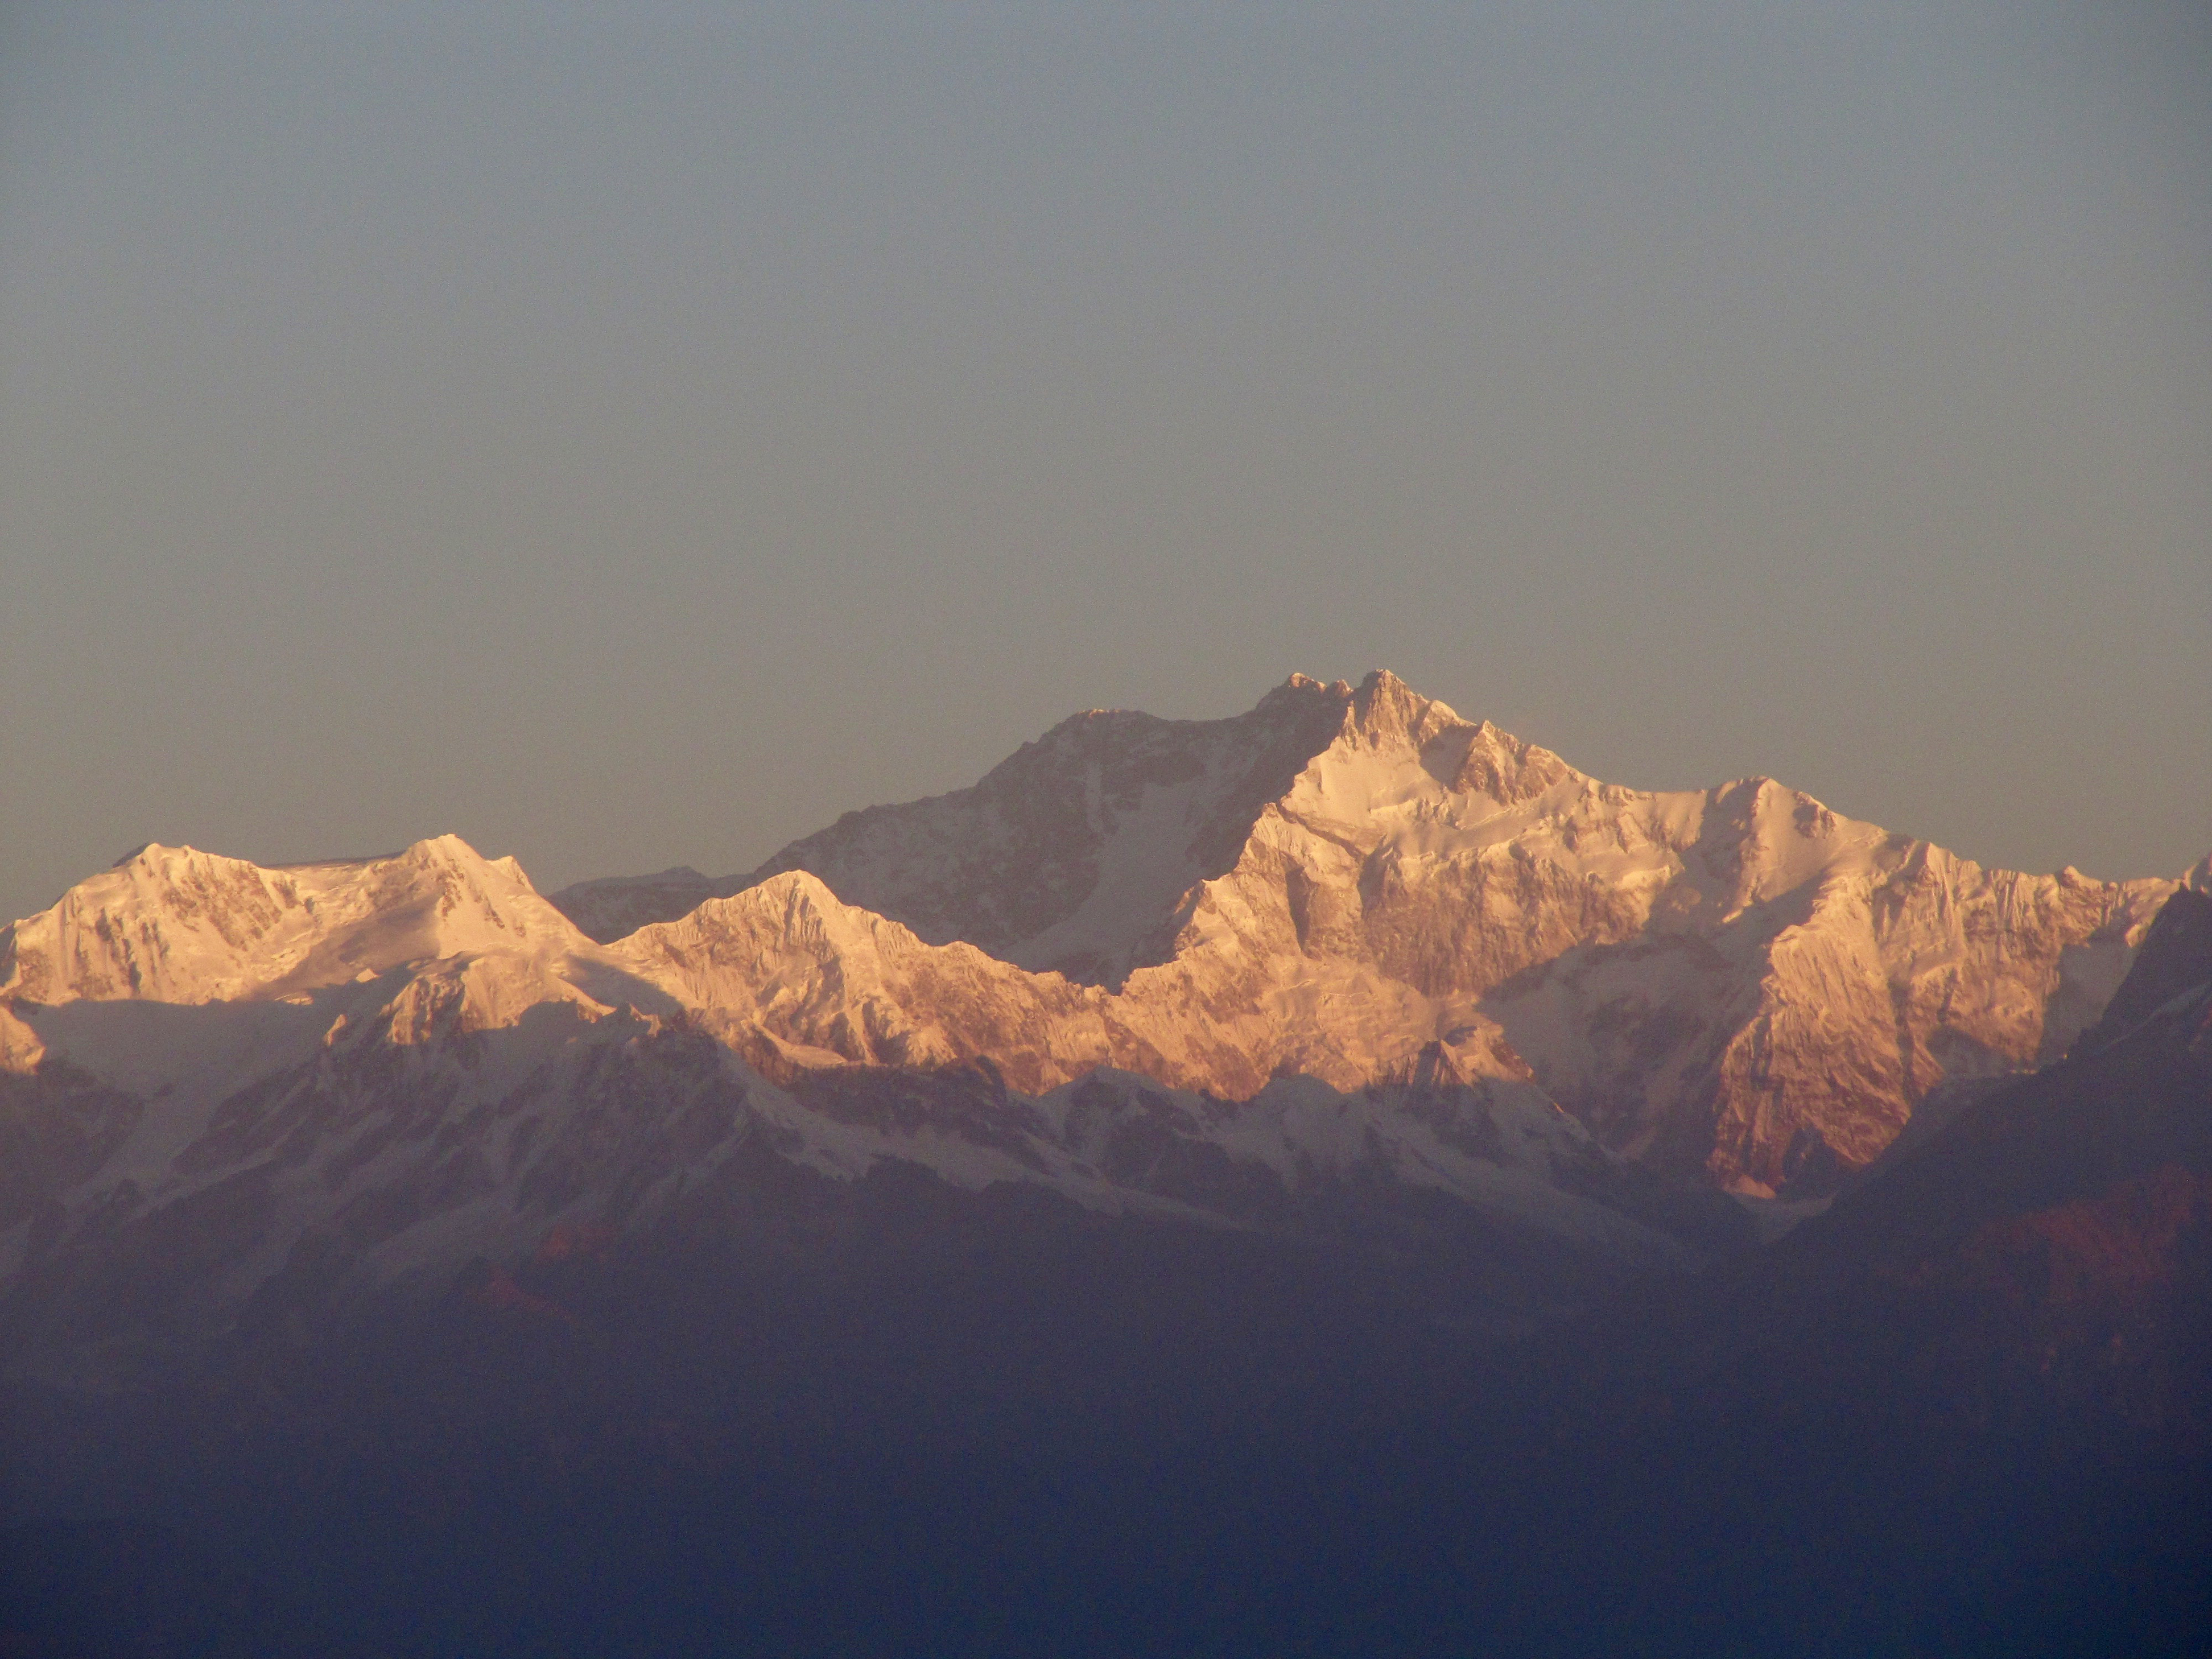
1200 968
1734 980
1332 1180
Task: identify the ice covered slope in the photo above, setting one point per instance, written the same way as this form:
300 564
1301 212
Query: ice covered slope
1735 979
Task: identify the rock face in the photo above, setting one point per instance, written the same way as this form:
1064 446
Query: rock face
1735 981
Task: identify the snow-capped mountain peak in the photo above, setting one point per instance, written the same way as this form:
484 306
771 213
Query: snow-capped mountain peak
172 924
1713 976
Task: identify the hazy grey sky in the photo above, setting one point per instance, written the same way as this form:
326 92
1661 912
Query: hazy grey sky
632 434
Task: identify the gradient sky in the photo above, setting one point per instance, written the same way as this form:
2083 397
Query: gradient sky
634 435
